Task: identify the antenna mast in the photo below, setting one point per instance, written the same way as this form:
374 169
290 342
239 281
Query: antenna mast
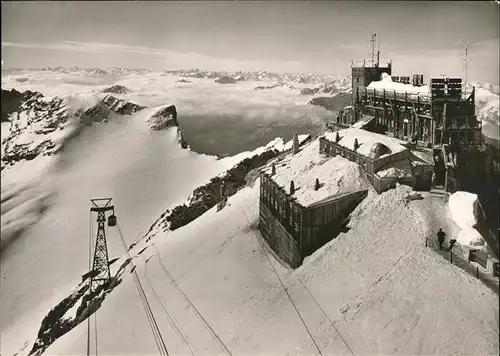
466 62
378 52
372 48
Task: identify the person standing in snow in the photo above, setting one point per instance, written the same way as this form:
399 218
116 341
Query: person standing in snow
440 235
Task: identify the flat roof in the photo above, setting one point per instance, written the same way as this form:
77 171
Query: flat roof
337 175
366 139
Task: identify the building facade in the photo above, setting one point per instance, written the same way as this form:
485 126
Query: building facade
435 114
294 231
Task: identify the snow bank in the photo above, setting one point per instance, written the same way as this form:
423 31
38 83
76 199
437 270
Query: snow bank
336 175
394 172
463 208
366 140
388 84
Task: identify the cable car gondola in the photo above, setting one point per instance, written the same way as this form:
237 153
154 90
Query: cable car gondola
112 220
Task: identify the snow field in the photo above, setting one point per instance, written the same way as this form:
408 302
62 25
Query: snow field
383 290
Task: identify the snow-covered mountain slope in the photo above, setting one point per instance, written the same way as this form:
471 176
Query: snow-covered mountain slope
215 258
488 110
135 156
379 288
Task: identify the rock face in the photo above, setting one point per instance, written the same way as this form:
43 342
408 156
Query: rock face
225 80
12 100
333 103
108 105
57 323
116 89
166 118
35 119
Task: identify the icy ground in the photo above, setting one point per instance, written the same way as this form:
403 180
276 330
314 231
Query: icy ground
382 289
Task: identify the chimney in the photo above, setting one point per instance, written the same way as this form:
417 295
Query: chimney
292 188
316 184
273 169
295 143
337 137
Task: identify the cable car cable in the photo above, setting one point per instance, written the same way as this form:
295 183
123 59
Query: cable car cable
166 311
284 288
212 331
162 348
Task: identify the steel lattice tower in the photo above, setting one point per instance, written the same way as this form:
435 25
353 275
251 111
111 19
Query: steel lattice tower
100 265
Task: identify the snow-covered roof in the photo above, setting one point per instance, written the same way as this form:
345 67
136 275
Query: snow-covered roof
420 157
366 140
365 119
388 84
399 169
337 175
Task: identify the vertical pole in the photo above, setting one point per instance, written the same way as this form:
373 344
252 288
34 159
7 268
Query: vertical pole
451 257
90 280
477 272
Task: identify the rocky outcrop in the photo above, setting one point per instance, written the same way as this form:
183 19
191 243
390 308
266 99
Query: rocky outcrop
46 116
106 107
56 323
166 118
117 89
332 103
207 196
225 80
12 100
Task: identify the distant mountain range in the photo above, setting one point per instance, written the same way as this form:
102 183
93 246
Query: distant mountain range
309 84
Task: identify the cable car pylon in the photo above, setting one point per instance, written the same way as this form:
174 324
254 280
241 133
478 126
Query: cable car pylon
100 264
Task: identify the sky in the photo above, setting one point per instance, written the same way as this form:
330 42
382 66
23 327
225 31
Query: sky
297 36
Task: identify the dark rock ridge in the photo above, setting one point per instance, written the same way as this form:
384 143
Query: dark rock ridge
165 118
56 323
207 196
12 100
333 103
183 81
31 115
117 89
225 80
48 116
108 105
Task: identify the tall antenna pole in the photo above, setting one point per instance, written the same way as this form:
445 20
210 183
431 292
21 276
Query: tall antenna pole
372 48
466 63
378 52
